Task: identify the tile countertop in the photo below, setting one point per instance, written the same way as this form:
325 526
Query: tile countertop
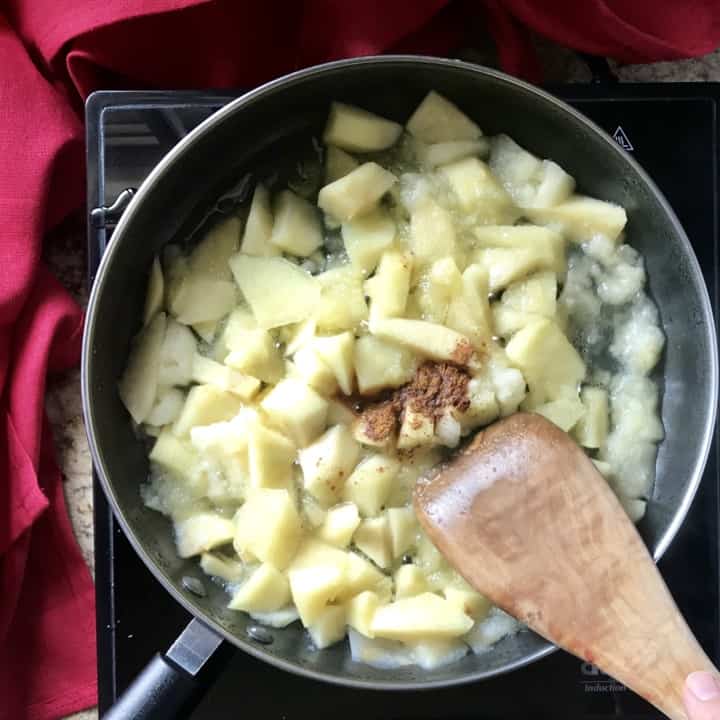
65 253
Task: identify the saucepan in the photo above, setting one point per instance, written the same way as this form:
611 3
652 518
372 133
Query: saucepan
250 136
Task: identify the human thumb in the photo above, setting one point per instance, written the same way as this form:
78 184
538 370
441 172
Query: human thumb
701 696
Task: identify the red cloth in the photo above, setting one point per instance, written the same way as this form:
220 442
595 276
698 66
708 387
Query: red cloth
52 54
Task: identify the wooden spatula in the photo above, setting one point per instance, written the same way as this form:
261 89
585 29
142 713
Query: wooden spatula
526 518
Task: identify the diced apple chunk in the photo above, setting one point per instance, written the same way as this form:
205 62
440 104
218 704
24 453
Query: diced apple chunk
546 242
422 616
328 462
337 352
210 257
329 627
356 193
472 603
256 354
312 589
388 288
342 300
478 191
507 321
226 437
202 532
297 409
312 369
357 130
167 407
361 575
369 484
432 234
442 153
337 164
138 385
155 292
268 527
536 294
580 218
340 413
201 298
546 358
174 455
403 527
360 611
483 407
505 266
270 458
373 539
178 351
379 364
259 226
278 292
223 377
297 229
428 339
417 430
367 237
436 120
339 524
313 553
266 590
218 565
409 580
592 428
206 404
563 412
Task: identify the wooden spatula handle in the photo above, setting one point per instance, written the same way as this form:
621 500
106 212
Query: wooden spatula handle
524 515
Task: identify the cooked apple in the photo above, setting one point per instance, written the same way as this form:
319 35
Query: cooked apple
416 430
259 226
221 567
206 404
201 298
257 354
210 257
373 539
327 464
268 527
337 164
357 130
544 241
436 120
340 522
337 352
155 292
592 428
297 229
565 412
177 355
505 266
403 527
312 369
369 484
360 611
443 153
202 532
297 409
312 589
367 237
432 233
388 288
472 603
342 303
356 193
257 277
223 377
380 364
138 385
270 458
226 437
328 627
166 408
536 294
362 575
266 590
175 455
409 580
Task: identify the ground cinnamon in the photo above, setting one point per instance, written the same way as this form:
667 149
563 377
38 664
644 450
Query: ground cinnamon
435 387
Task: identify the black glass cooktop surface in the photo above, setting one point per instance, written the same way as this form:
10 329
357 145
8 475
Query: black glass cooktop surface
672 129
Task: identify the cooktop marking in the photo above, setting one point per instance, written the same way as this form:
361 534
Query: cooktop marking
622 139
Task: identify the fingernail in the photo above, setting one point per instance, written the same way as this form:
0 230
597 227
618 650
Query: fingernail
703 685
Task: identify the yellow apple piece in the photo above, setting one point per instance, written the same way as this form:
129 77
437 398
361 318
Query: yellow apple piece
256 354
507 321
592 428
546 242
380 364
565 412
202 532
339 413
155 292
223 377
535 295
409 580
178 351
337 352
505 265
312 369
259 226
297 410
297 229
175 455
546 358
357 130
201 298
580 218
339 524
403 528
270 458
210 256
314 553
342 303
139 383
312 589
437 119
472 603
337 163
361 575
369 484
206 330
373 539
268 527
356 193
367 237
483 408
278 291
206 404
469 311
329 627
388 288
360 611
420 617
478 191
222 567
226 437
432 234
442 153
416 430
299 335
266 590
167 407
428 339
327 464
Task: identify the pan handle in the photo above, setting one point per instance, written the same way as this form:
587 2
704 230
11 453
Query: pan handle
168 681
